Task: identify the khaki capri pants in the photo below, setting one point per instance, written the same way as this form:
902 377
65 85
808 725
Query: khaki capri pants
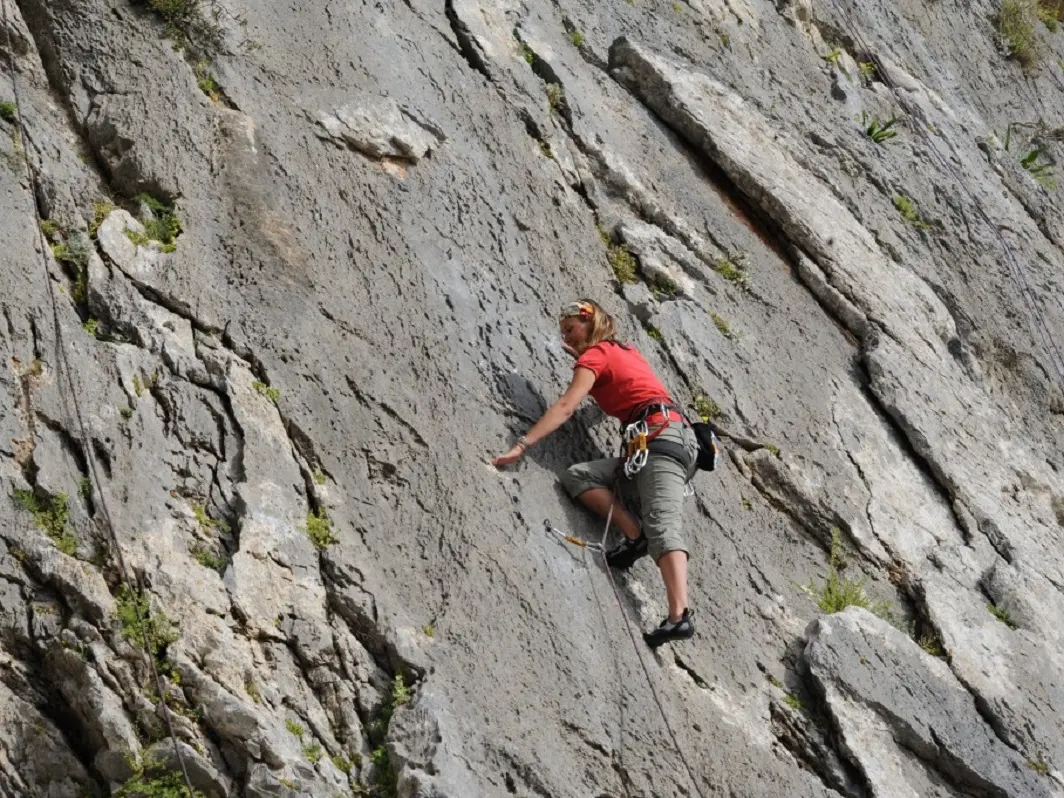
659 487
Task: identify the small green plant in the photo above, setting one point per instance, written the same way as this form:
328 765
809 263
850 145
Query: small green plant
677 7
621 260
140 623
199 512
62 254
319 529
294 727
555 96
289 784
162 223
273 394
773 450
663 286
544 147
400 692
9 112
931 644
878 130
85 487
429 630
733 269
1051 12
51 514
79 292
839 592
833 57
907 208
773 681
313 752
190 22
209 559
722 325
383 773
252 690
341 764
49 228
90 326
794 702
747 504
867 70
1043 173
1016 30
206 81
706 407
655 333
168 785
1002 614
100 210
74 253
1039 766
319 477
527 54
576 37
126 412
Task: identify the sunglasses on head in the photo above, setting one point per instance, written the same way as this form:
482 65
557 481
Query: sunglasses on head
585 310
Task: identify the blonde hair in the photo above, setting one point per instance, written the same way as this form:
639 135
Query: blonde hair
603 327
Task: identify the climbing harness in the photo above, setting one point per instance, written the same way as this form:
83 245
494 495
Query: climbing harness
636 437
639 442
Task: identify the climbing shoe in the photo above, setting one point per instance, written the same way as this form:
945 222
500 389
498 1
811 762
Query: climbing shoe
681 630
625 553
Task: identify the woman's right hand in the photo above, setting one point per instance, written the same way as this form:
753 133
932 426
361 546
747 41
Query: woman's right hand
510 457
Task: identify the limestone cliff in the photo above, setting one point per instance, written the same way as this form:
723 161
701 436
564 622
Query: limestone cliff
278 280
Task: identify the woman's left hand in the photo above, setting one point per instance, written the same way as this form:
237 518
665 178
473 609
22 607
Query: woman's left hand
510 457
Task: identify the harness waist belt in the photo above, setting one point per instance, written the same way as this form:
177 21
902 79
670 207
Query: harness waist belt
671 449
654 408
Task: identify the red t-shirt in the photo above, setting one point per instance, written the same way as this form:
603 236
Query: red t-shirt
624 381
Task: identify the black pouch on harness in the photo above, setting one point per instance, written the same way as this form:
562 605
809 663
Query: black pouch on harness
707 447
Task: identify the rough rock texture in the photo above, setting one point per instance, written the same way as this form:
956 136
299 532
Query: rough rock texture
884 695
248 528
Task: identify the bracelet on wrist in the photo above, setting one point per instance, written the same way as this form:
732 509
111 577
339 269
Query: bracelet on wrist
522 442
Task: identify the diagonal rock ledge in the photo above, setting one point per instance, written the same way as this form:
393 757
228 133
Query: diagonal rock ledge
883 692
909 337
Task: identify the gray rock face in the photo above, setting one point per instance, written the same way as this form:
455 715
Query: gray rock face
248 417
903 717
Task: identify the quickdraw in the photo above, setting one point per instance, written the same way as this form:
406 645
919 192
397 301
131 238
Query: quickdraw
635 448
636 437
600 547
584 544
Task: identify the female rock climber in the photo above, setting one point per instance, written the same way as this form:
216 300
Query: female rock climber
625 387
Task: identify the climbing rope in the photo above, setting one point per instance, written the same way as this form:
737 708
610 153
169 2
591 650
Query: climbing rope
1040 330
601 548
63 367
